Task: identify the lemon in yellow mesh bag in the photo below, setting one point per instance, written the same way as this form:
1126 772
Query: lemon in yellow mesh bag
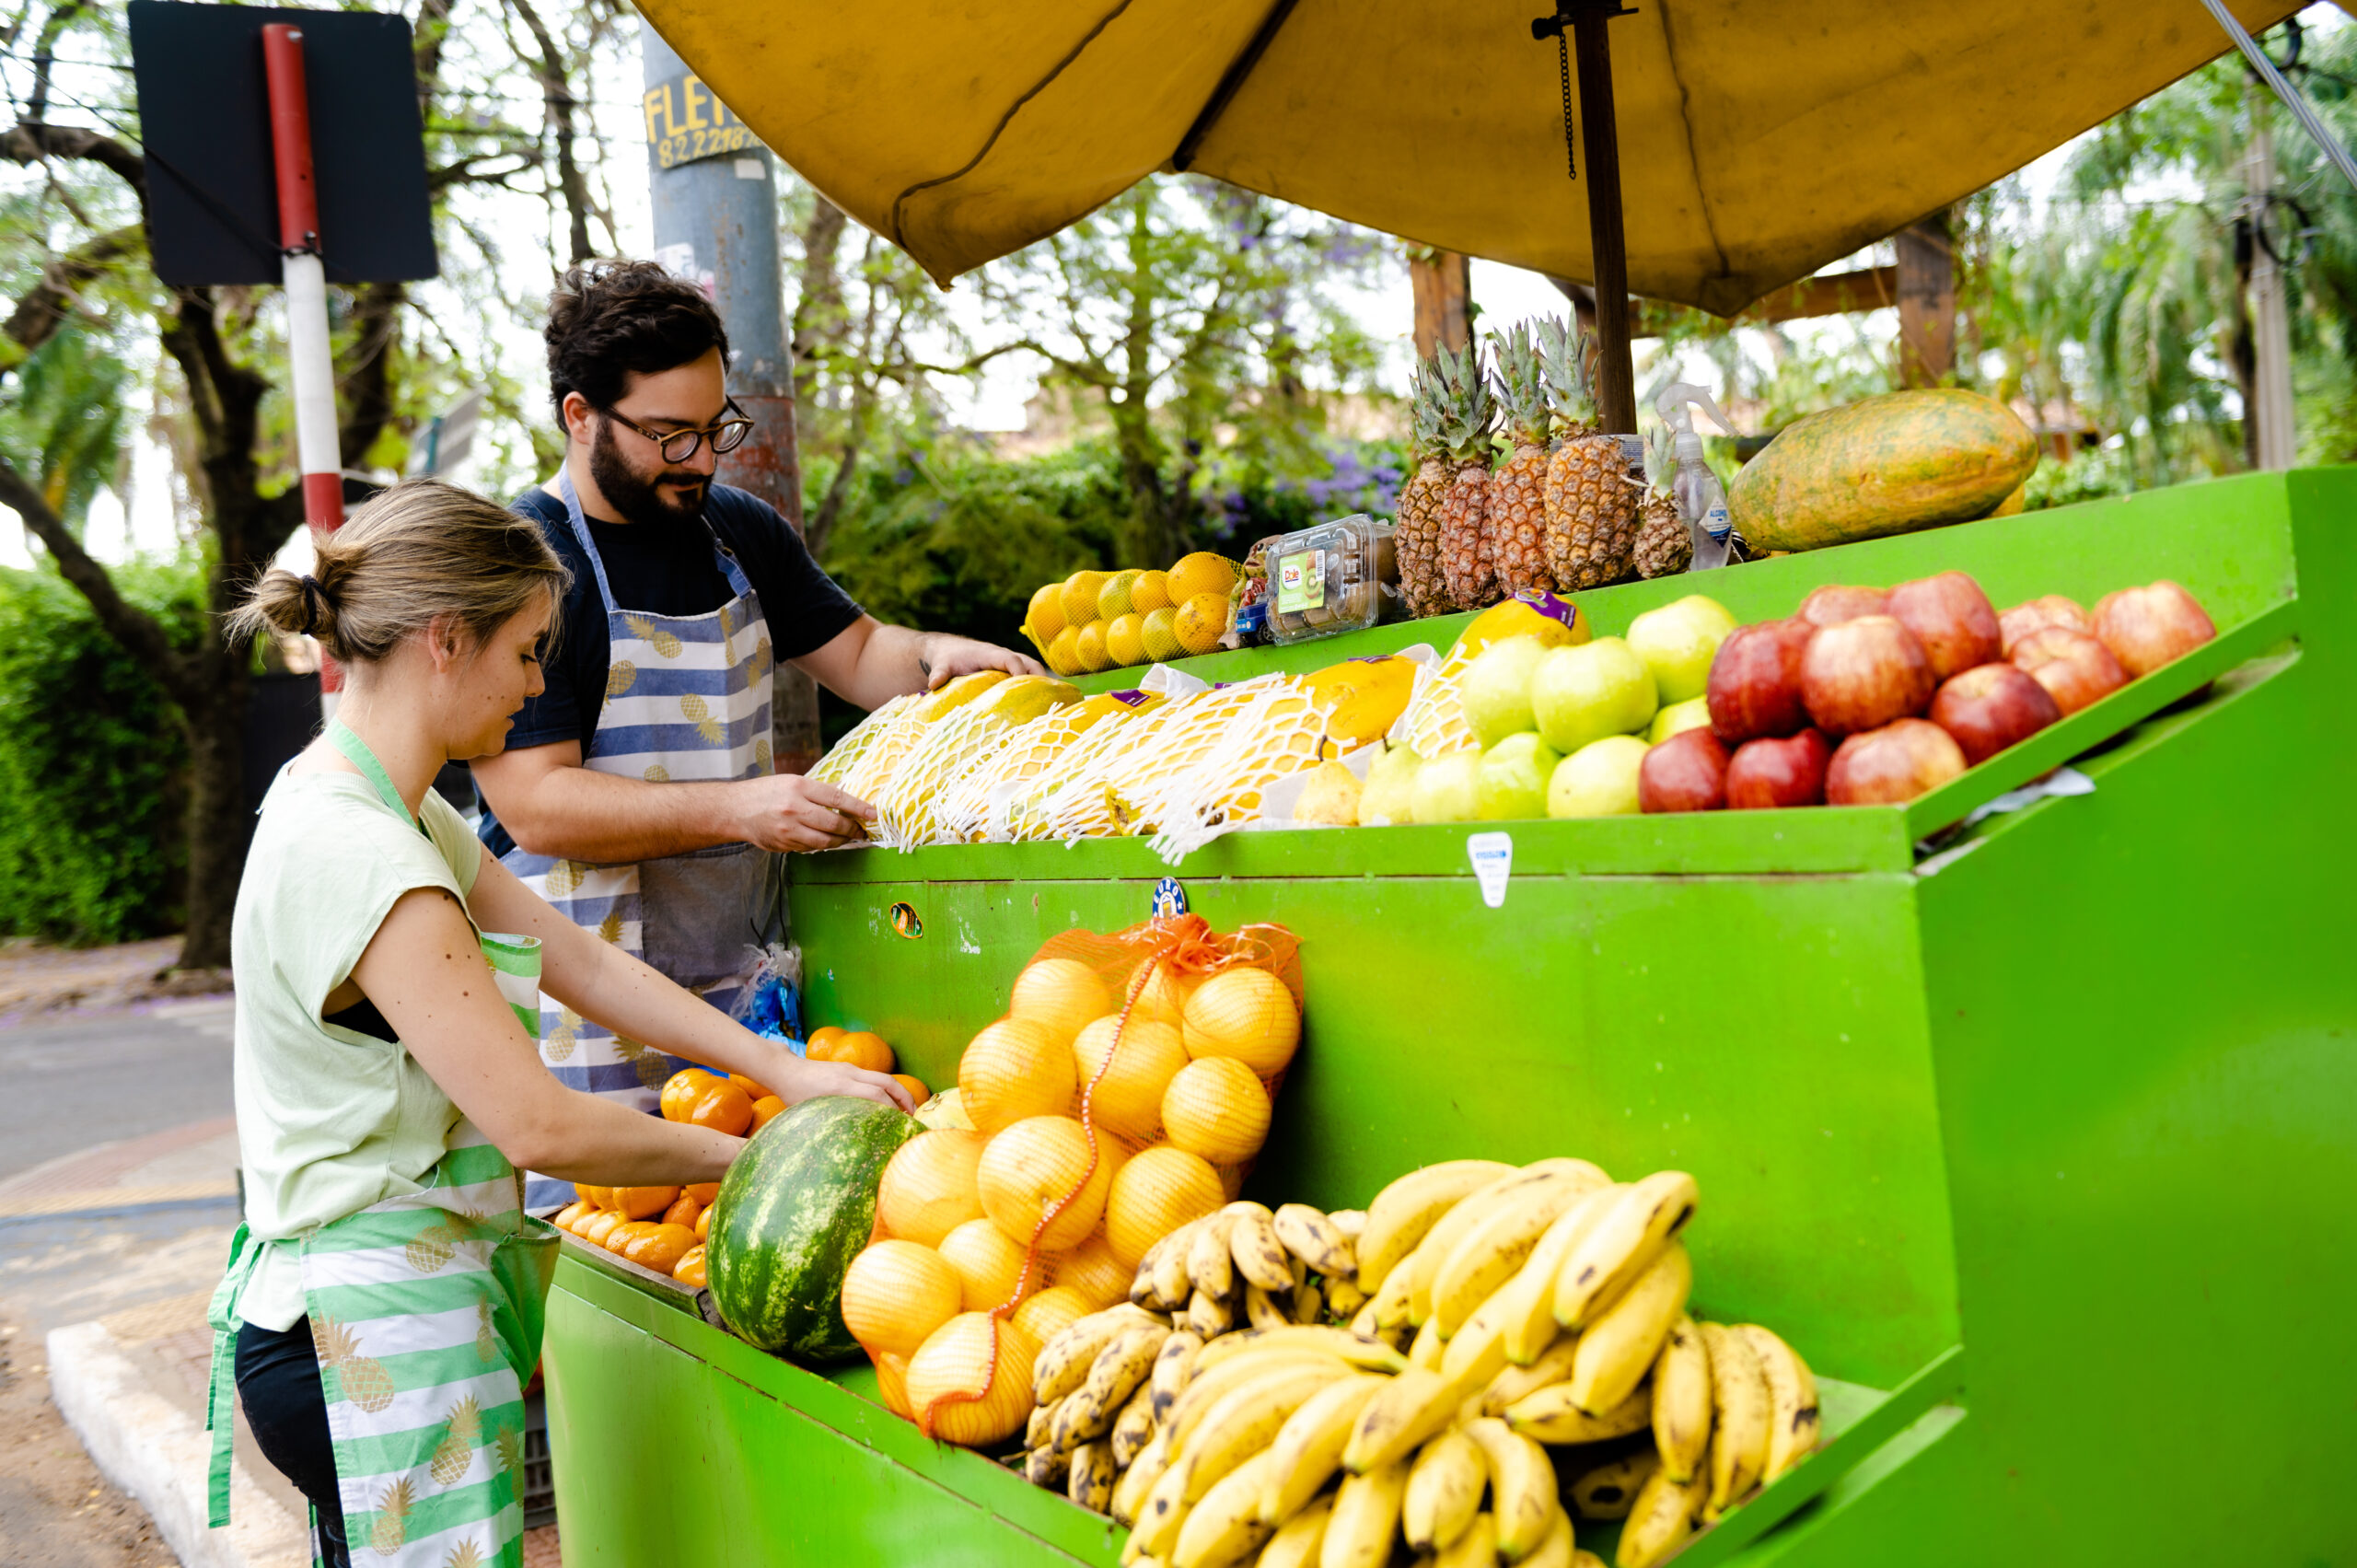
1149 592
1090 649
1201 623
1044 619
1062 654
1078 597
1201 572
1113 598
1158 634
1125 639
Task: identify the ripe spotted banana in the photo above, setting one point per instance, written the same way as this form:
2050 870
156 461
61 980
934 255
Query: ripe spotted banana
1034 1429
1171 1283
1210 1386
1478 1353
1343 1297
1046 1467
1224 1525
1617 1349
1366 1517
1389 1302
1443 1492
1130 1491
1606 1492
1522 1487
1661 1517
1406 1414
1144 1289
1209 1265
1173 1366
1352 1223
1262 1312
1359 1350
1064 1361
1638 1225
1246 1423
1091 1481
1529 1297
1210 1316
1309 1447
1113 1377
1312 1238
1683 1402
1475 1547
1495 1250
1516 1383
1740 1407
1256 1253
1475 1211
1297 1540
1561 1548
1792 1401
1308 1304
1133 1428
1552 1415
1404 1212
1161 1516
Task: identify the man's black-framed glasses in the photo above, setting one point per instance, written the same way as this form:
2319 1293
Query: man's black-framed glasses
679 446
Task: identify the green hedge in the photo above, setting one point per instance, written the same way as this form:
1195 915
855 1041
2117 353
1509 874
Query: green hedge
91 760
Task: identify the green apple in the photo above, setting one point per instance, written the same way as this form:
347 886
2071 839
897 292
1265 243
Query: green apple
1597 780
1677 642
1390 788
1513 777
1448 789
1494 690
1586 692
1692 713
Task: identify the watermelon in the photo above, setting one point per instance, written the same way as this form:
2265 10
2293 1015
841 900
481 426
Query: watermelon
1884 465
796 1206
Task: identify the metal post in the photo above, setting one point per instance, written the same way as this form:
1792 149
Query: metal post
1600 141
716 221
307 294
2272 414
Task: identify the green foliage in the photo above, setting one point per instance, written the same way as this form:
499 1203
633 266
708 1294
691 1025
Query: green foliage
64 427
90 760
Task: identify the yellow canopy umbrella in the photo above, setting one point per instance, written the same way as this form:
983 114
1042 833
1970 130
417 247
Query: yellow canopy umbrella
1759 139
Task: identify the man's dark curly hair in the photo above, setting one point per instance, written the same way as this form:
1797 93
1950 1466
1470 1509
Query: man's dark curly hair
608 320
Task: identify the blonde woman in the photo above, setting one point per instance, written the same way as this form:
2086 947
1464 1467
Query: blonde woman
382 1306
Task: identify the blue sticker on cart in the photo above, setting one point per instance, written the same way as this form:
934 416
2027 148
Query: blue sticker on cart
1169 899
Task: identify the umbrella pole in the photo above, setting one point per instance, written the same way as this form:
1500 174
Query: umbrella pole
1599 139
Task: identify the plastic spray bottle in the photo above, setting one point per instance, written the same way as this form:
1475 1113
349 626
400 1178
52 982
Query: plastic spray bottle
1702 500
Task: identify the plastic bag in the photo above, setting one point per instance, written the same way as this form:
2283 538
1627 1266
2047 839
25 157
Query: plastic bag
771 1004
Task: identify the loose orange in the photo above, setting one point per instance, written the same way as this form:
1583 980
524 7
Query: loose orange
566 1217
704 1193
644 1202
722 1106
753 1091
862 1048
660 1248
821 1039
593 1228
679 1091
619 1239
703 1225
763 1110
918 1093
691 1272
595 1197
683 1211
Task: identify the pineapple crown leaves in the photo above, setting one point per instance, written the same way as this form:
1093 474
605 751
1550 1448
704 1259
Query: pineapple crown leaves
1425 407
1468 414
1661 462
1563 358
1522 385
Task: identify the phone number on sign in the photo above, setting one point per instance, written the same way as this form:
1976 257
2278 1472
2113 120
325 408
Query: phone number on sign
688 147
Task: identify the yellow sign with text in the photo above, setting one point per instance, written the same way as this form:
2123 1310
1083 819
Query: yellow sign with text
685 123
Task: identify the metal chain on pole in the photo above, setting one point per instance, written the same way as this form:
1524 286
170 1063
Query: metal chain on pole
1563 68
2291 97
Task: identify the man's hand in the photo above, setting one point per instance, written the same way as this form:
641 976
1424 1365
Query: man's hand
792 813
945 659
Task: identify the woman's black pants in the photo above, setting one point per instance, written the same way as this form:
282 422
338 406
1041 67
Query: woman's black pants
278 1381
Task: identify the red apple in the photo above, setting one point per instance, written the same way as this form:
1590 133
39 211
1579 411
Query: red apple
2073 666
1991 706
1686 772
2145 628
1837 603
1952 618
1862 674
2047 610
1755 685
1895 763
1789 770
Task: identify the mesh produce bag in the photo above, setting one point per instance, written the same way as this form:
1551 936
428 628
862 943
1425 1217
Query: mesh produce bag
1134 792
965 812
1281 733
1435 723
907 804
844 755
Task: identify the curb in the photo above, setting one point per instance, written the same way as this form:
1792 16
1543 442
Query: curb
154 1451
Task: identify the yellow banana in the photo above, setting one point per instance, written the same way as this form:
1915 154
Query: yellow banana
1412 1409
1034 1429
1389 1303
1297 1540
1308 1304
1171 1283
1209 1263
1443 1492
1638 1225
1246 1423
1426 1349
1617 1349
1046 1467
1529 1303
1739 1407
1210 1386
1366 1516
1561 1550
1256 1253
1661 1517
1133 1428
1162 1513
1359 1350
1475 1547
1552 1415
1495 1250
1518 1383
1130 1491
1064 1361
1312 1238
1792 1401
1474 1211
1113 1377
1683 1402
1224 1525
1090 1484
1309 1447
1210 1316
1343 1297
1478 1353
1263 1313
1142 1283
1352 1223
1402 1213
1522 1487
1606 1492
1174 1364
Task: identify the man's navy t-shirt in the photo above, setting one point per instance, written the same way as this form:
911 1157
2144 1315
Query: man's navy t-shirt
665 569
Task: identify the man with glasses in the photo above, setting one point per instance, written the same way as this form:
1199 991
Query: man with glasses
637 793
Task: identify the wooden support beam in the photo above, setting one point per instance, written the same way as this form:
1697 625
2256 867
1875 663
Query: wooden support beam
1870 289
1442 282
1926 303
1600 141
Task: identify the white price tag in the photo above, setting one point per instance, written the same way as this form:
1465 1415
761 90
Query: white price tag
1492 858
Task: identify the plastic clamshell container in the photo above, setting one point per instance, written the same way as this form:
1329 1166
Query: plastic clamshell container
1339 577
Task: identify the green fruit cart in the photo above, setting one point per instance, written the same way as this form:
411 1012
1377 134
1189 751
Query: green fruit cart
2035 1136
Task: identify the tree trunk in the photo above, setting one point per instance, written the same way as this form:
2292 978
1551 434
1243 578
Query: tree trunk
1441 284
218 823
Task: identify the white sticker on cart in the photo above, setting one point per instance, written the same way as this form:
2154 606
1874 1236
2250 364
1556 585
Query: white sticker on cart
1492 858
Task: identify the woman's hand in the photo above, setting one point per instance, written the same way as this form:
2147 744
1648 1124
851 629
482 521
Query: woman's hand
809 1080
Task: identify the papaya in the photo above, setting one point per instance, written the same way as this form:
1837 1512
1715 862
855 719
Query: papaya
1883 465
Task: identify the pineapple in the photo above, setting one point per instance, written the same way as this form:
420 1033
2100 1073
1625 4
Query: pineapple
486 1341
558 1047
1591 505
455 1452
1417 538
1663 543
430 1248
508 1442
1466 562
466 1554
363 1379
1517 514
653 1068
391 1531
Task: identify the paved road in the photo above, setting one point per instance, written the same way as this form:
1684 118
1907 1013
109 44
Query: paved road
64 1088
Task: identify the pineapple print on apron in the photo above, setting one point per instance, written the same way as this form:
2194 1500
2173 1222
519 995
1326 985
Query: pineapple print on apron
427 1310
687 698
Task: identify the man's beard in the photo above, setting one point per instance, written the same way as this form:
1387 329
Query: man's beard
635 499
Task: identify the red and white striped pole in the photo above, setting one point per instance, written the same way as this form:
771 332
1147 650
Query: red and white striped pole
307 294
